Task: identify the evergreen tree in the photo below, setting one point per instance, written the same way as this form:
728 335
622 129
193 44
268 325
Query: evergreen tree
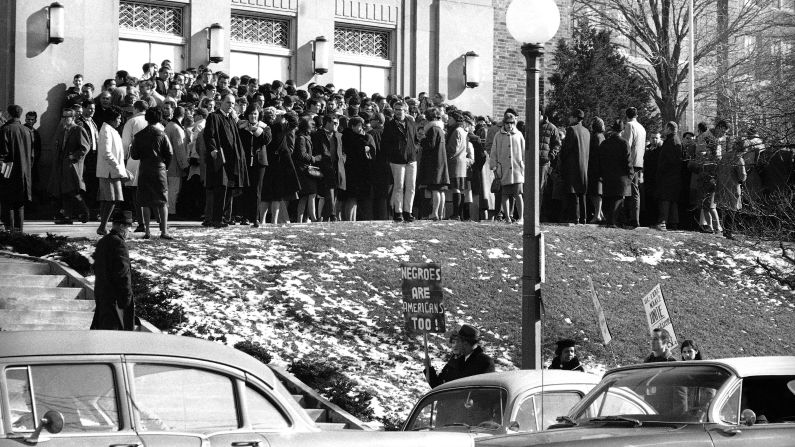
593 76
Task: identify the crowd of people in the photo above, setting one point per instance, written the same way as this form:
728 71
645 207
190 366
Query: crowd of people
199 144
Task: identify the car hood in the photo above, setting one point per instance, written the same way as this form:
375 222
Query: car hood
354 438
592 436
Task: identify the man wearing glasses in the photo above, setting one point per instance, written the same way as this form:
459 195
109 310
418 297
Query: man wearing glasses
507 160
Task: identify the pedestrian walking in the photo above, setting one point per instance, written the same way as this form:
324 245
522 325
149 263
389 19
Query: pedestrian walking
115 304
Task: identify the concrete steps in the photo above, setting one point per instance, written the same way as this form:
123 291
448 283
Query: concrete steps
38 296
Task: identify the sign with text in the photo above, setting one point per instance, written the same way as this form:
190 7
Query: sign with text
657 314
600 315
423 308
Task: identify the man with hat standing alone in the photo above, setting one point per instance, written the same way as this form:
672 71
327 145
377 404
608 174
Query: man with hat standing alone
573 165
468 358
113 284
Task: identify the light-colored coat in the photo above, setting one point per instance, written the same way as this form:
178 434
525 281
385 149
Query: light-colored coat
460 154
507 150
110 154
134 125
635 135
179 143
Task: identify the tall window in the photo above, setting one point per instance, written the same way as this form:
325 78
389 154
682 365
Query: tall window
150 33
362 59
260 47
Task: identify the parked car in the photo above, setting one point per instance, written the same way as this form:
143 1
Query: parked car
500 402
715 403
101 388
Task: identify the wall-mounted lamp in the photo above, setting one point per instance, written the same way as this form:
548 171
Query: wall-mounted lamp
215 43
472 69
320 55
55 25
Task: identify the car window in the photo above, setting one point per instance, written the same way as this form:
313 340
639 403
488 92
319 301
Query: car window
84 394
730 412
526 415
770 398
263 413
461 407
555 404
611 403
172 398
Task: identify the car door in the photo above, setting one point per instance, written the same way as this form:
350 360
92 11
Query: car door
536 411
86 391
772 402
187 403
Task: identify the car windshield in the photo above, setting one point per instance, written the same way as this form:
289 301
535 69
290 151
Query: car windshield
664 393
468 407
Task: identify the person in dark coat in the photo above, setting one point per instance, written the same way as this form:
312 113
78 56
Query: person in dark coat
432 170
115 306
227 173
304 158
281 179
594 180
255 136
358 148
16 186
565 358
66 183
669 178
615 170
573 166
380 170
660 347
400 144
152 148
327 143
471 360
548 150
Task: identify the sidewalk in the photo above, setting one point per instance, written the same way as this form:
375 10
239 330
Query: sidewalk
88 230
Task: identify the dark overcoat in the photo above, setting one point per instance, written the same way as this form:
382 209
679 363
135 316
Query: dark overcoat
16 145
357 165
432 168
399 142
329 147
152 147
281 179
594 180
303 157
229 167
574 159
66 177
380 171
615 166
113 285
669 170
458 367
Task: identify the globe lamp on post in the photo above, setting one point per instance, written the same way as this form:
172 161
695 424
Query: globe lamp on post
533 23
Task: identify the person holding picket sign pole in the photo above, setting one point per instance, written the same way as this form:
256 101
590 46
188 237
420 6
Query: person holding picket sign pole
468 358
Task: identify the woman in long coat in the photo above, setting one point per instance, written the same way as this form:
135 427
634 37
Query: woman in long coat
303 158
255 136
357 146
380 171
66 183
728 195
281 179
507 156
669 177
432 170
152 148
111 170
459 157
594 180
615 169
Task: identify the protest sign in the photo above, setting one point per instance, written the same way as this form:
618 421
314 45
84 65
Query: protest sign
600 315
657 313
423 308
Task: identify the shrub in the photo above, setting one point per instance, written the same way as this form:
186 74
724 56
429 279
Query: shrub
154 302
334 386
32 244
391 422
70 256
255 350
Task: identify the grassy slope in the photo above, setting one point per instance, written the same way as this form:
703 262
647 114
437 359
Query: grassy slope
333 291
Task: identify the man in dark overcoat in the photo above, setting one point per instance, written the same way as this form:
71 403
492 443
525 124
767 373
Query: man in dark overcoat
327 142
113 281
574 166
227 173
615 170
469 358
16 145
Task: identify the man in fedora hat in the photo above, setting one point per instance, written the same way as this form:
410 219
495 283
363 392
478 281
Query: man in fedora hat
113 284
468 358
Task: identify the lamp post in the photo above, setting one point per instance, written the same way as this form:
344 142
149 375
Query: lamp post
533 23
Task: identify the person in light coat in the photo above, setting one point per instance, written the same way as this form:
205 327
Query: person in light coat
507 160
111 171
135 124
635 135
460 156
179 162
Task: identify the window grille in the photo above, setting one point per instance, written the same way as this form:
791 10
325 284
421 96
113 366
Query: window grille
361 42
260 30
145 17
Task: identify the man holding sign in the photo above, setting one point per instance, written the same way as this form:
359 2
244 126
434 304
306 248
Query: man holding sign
469 361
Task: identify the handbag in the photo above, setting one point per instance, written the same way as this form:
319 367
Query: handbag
314 172
496 184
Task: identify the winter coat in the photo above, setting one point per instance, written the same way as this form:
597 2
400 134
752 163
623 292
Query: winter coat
399 143
228 168
507 151
380 171
71 147
731 174
594 179
134 125
357 163
572 365
254 143
460 153
432 169
573 160
152 148
669 170
303 158
281 179
179 145
459 367
635 135
332 159
110 157
16 145
548 143
615 166
113 285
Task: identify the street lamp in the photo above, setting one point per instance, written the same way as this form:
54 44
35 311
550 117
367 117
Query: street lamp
320 51
215 43
55 23
533 23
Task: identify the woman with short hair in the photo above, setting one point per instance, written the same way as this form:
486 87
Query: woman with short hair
432 170
111 170
152 147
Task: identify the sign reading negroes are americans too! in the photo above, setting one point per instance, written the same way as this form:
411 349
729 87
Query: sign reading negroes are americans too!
423 308
657 313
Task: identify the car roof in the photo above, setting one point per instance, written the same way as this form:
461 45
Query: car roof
60 343
521 380
741 366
